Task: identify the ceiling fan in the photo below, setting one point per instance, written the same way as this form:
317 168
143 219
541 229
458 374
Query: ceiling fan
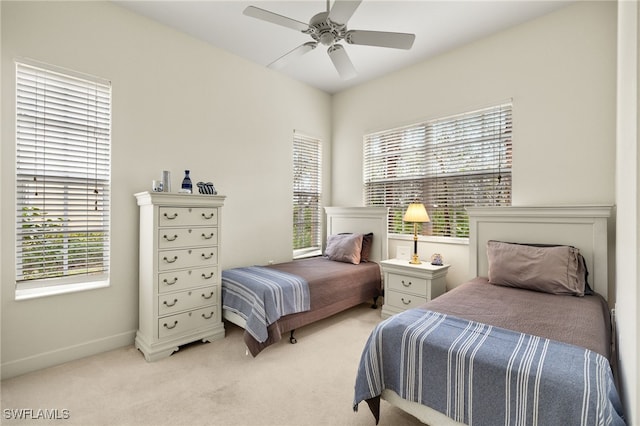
329 28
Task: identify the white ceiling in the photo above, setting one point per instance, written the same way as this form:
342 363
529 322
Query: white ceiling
438 25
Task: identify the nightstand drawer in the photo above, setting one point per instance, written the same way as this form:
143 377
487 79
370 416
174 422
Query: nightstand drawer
181 301
404 300
407 284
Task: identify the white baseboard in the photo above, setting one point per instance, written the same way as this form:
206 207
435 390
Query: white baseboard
62 355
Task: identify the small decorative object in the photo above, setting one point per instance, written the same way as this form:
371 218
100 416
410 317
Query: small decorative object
206 188
415 213
166 181
157 186
187 187
436 259
403 252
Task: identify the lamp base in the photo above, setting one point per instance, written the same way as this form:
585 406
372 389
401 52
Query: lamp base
415 260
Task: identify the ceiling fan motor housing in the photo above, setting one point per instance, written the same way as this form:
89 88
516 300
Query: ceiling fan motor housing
324 30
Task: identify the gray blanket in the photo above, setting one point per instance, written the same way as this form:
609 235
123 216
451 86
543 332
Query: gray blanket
262 295
484 375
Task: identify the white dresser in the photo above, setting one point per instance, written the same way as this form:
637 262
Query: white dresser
408 286
179 271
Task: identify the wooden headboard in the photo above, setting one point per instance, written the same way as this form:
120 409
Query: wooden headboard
361 220
584 227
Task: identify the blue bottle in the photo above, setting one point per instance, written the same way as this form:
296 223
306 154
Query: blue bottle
186 182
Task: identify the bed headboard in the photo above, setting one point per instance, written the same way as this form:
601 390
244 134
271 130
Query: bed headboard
361 220
584 227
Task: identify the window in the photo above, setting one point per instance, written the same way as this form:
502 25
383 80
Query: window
307 176
62 177
448 164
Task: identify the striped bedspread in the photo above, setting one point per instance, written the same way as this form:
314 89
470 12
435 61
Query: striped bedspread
483 375
262 295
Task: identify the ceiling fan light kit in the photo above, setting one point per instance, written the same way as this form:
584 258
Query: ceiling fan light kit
328 28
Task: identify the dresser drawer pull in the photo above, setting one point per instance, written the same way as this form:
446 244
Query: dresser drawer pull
170 261
209 296
209 237
204 256
175 237
169 327
207 317
406 285
175 280
207 277
171 217
406 302
170 305
208 217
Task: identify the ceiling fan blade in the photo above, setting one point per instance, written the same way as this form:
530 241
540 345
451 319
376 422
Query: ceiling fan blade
342 10
293 54
274 18
380 38
342 62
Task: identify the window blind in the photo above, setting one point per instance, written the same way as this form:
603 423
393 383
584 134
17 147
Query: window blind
448 164
307 168
62 176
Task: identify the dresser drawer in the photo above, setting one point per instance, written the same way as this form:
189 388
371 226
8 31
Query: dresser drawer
187 258
179 280
187 216
185 300
187 237
182 323
403 300
408 284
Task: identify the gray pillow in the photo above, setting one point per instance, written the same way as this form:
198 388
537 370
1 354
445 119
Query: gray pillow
549 269
344 248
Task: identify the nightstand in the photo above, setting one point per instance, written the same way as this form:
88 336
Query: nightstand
408 286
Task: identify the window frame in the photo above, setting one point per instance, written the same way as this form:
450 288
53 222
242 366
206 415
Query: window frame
68 115
307 154
441 162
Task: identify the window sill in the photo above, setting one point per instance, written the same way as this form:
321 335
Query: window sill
431 239
46 291
302 254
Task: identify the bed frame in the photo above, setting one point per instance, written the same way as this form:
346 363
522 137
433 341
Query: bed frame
584 227
341 220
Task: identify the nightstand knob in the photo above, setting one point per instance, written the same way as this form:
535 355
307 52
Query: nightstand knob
405 284
406 302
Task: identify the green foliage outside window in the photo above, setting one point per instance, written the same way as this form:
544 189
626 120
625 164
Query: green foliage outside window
50 252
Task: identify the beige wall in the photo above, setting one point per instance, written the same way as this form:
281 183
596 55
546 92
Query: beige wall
177 104
560 72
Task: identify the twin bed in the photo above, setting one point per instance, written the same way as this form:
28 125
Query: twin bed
492 351
333 286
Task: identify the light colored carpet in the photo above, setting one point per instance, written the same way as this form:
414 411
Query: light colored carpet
309 383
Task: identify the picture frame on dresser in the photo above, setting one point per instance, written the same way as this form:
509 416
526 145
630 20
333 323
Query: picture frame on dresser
179 272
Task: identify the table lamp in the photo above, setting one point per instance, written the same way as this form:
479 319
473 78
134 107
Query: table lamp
416 213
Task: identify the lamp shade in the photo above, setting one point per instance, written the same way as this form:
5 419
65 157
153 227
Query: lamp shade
416 213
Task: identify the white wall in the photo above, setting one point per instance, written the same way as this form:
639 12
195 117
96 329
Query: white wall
627 193
560 71
177 104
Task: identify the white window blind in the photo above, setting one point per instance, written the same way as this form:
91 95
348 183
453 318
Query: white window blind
62 177
448 164
307 189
